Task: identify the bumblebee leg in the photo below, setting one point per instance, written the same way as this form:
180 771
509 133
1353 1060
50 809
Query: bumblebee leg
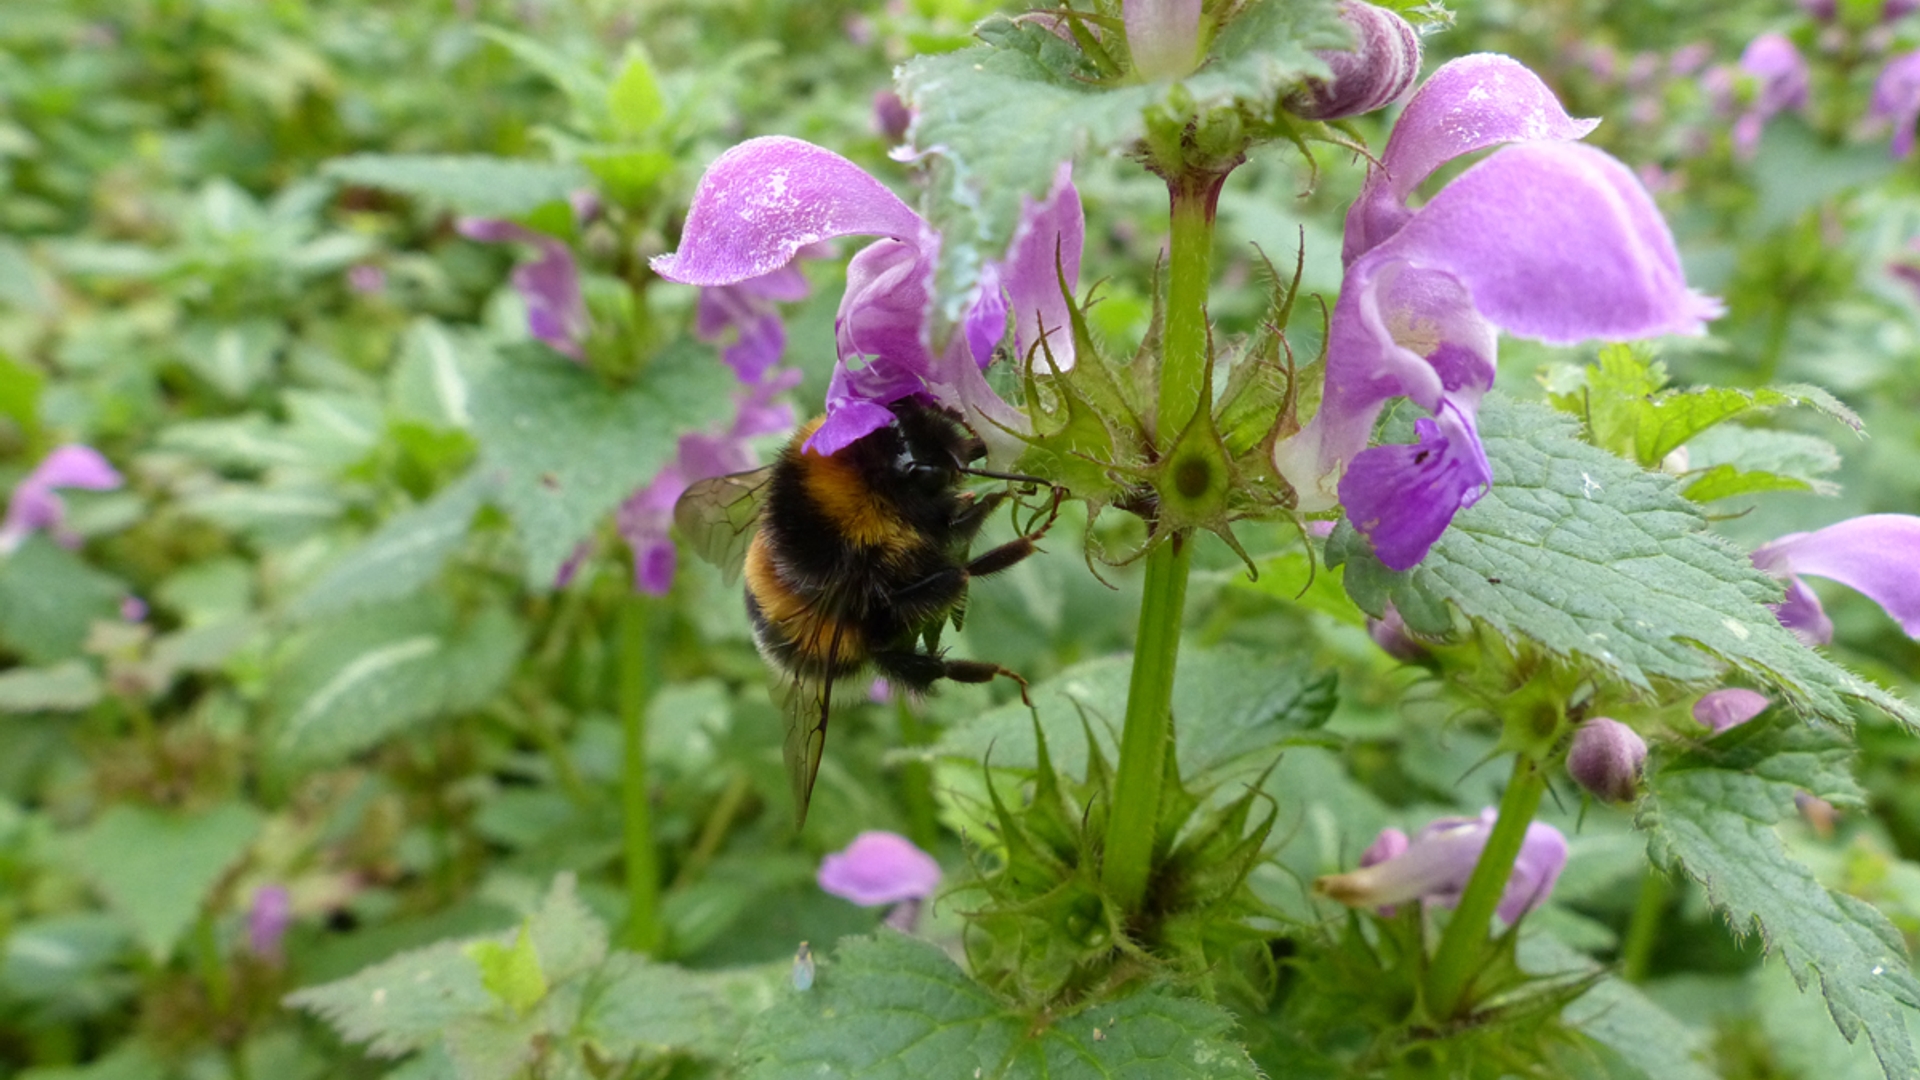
919 670
966 524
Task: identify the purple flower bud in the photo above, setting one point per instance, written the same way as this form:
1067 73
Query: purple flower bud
891 117
1732 707
1606 759
1390 633
1163 36
1381 66
35 505
133 609
880 868
550 284
1821 10
586 206
367 279
267 921
1898 9
1437 863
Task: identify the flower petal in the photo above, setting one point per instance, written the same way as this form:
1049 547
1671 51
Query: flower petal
762 201
1731 707
1896 97
880 868
1556 241
1402 497
1045 248
1468 104
1875 555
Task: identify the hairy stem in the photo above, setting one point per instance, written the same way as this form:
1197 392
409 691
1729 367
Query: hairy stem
1128 861
643 871
1462 945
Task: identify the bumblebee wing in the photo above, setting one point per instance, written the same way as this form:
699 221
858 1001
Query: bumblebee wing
718 516
809 706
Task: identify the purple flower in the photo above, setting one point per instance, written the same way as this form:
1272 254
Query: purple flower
1436 864
747 309
1727 708
133 609
1163 36
37 507
645 520
267 921
1544 238
891 117
1780 77
550 284
882 868
1606 759
764 200
1875 554
367 279
1688 59
1373 74
1896 97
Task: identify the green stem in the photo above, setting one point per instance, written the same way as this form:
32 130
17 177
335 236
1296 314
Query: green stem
1461 946
1127 863
643 871
1643 932
213 967
1183 361
1148 731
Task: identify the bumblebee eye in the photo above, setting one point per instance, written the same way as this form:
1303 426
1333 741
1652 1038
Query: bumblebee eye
929 478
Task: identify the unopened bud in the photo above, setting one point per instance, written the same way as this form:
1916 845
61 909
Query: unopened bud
1607 758
1163 36
1382 65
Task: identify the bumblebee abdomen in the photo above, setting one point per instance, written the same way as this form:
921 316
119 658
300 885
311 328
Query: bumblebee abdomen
797 629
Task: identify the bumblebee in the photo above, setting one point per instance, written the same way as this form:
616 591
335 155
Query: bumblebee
857 560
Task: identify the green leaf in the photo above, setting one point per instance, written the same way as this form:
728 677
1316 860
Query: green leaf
402 556
357 679
634 101
1619 1017
1627 411
433 382
636 1006
156 867
482 186
1233 710
1725 482
402 1004
233 357
893 1007
20 388
1764 450
66 687
48 599
1711 813
1006 114
568 449
1596 560
510 973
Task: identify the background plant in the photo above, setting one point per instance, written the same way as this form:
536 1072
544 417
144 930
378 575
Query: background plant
346 694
